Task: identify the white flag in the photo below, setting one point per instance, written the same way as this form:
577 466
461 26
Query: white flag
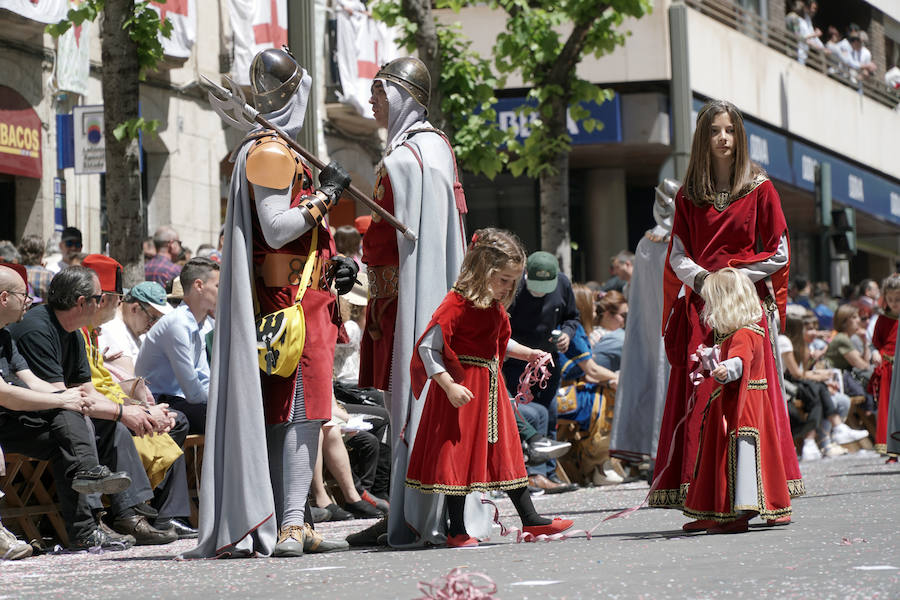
73 61
43 11
183 16
256 25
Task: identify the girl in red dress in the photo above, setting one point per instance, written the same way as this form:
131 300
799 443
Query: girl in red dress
739 472
467 438
884 340
727 214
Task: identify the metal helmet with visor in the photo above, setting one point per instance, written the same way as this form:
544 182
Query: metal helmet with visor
274 77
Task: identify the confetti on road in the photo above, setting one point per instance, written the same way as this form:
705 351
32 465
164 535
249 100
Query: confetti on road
876 568
538 582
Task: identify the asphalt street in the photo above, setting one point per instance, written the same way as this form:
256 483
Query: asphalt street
842 544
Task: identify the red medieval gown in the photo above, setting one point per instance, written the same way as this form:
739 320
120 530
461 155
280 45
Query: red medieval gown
746 231
884 339
740 408
314 374
475 447
379 250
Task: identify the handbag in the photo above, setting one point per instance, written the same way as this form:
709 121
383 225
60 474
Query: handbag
281 335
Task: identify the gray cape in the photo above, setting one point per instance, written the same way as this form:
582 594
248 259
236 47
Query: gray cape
237 506
893 430
424 200
644 372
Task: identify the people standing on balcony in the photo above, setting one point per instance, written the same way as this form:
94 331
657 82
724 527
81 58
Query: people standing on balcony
727 214
855 55
799 21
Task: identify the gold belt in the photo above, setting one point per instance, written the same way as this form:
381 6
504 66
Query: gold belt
383 281
889 358
493 367
283 270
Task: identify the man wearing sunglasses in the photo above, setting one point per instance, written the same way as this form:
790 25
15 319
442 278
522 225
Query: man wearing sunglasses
70 246
121 338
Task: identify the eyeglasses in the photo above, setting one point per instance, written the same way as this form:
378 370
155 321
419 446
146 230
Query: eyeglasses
96 298
153 319
72 243
26 297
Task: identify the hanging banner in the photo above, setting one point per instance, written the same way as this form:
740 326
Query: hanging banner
20 136
43 11
73 60
183 16
90 145
256 25
363 45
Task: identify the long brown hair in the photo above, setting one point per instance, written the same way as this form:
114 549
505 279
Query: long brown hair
611 302
699 187
793 329
491 250
584 302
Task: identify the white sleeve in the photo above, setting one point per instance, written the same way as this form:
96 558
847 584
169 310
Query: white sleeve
430 351
512 345
685 268
764 268
735 367
279 222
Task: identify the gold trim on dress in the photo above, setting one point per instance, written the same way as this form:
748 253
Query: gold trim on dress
493 367
462 490
724 199
758 384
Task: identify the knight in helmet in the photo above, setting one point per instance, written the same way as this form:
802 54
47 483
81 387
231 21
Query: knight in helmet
417 182
263 429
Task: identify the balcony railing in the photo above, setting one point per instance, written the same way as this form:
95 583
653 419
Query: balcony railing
773 34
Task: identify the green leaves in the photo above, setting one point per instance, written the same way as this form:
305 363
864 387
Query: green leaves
132 127
86 11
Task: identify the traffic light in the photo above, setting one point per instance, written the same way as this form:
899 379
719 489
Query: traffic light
843 230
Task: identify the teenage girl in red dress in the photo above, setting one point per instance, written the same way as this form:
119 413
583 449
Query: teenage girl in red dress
468 440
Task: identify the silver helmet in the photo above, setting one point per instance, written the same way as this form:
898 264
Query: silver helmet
274 77
412 75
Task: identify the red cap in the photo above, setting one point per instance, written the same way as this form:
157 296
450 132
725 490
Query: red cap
108 270
362 224
20 269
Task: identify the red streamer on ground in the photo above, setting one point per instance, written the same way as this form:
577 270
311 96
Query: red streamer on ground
535 373
458 585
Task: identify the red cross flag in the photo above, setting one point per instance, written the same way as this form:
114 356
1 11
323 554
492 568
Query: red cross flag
73 50
256 25
183 16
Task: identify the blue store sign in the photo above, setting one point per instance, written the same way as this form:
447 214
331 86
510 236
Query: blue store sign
609 113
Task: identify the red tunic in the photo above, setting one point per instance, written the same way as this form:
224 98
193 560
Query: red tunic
740 408
884 339
379 249
747 231
322 319
475 447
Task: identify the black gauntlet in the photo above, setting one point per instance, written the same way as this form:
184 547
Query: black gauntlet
343 272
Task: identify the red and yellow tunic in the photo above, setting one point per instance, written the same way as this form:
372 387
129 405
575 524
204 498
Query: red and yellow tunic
277 275
474 447
382 257
739 409
884 339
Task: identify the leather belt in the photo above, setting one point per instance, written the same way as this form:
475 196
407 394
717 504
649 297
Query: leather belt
383 281
284 270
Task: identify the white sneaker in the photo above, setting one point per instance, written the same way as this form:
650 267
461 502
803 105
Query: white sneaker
832 450
842 434
810 451
11 548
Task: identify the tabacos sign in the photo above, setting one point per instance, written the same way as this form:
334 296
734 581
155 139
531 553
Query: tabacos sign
20 136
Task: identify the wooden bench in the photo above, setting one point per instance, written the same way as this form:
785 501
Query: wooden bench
30 499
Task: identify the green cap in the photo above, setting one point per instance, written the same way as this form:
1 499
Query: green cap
541 271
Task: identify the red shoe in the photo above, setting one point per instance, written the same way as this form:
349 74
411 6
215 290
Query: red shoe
463 540
778 521
891 460
736 526
699 525
557 526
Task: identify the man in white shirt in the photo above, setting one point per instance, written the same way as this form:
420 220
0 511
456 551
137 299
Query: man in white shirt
120 339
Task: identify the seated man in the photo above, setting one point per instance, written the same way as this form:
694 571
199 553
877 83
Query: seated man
50 343
173 356
120 338
41 421
162 454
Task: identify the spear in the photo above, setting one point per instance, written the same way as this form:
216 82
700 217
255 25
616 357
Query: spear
225 101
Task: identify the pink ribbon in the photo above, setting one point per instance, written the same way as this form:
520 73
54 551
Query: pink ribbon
457 585
535 373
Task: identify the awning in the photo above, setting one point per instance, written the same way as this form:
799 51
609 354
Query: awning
20 136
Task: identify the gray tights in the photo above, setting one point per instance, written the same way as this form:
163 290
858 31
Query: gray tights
292 458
